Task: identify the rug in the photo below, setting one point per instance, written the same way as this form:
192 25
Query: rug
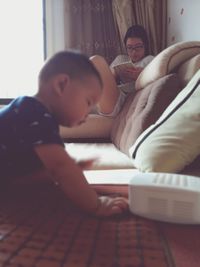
39 227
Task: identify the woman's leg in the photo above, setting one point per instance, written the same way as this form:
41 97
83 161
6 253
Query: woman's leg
110 92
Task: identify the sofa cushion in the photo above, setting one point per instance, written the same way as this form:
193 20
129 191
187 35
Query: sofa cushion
167 61
95 126
106 154
188 69
173 142
142 109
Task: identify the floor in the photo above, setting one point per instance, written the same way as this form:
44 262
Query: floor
40 228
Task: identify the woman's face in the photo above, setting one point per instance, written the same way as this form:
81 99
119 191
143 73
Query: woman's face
135 49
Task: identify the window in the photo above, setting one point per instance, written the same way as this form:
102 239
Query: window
21 47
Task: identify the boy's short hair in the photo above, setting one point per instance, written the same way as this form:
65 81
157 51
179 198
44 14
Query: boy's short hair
72 63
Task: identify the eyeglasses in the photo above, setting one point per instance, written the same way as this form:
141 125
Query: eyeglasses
136 48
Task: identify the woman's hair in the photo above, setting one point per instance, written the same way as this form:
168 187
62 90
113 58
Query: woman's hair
72 63
138 31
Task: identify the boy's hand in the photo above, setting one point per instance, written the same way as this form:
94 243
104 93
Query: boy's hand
111 205
87 164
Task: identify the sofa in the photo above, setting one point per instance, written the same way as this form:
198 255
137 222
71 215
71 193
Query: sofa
158 127
39 227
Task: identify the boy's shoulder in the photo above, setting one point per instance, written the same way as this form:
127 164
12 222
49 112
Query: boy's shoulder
26 103
15 106
21 101
24 109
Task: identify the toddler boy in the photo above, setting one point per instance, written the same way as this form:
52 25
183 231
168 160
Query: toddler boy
30 144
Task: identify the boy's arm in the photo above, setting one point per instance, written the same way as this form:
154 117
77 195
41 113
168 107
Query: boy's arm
63 169
68 175
87 164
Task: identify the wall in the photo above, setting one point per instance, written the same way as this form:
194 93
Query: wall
183 20
54 26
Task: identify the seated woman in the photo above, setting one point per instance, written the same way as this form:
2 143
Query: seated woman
119 78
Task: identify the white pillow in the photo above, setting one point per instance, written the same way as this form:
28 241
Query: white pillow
166 61
173 142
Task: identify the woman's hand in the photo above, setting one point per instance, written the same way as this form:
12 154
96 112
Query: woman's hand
108 206
127 75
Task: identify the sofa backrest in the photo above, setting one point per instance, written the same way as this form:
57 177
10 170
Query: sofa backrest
155 89
170 60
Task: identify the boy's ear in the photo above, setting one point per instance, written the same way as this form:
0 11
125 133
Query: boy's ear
60 83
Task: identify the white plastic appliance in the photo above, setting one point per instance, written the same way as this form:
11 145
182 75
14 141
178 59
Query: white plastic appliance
165 197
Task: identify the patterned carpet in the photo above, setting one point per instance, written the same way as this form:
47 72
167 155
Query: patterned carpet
39 228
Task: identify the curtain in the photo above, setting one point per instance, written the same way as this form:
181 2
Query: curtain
123 17
90 28
152 14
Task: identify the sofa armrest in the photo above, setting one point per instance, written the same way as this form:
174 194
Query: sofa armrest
95 127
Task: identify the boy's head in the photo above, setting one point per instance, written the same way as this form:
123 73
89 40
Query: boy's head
69 85
136 42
